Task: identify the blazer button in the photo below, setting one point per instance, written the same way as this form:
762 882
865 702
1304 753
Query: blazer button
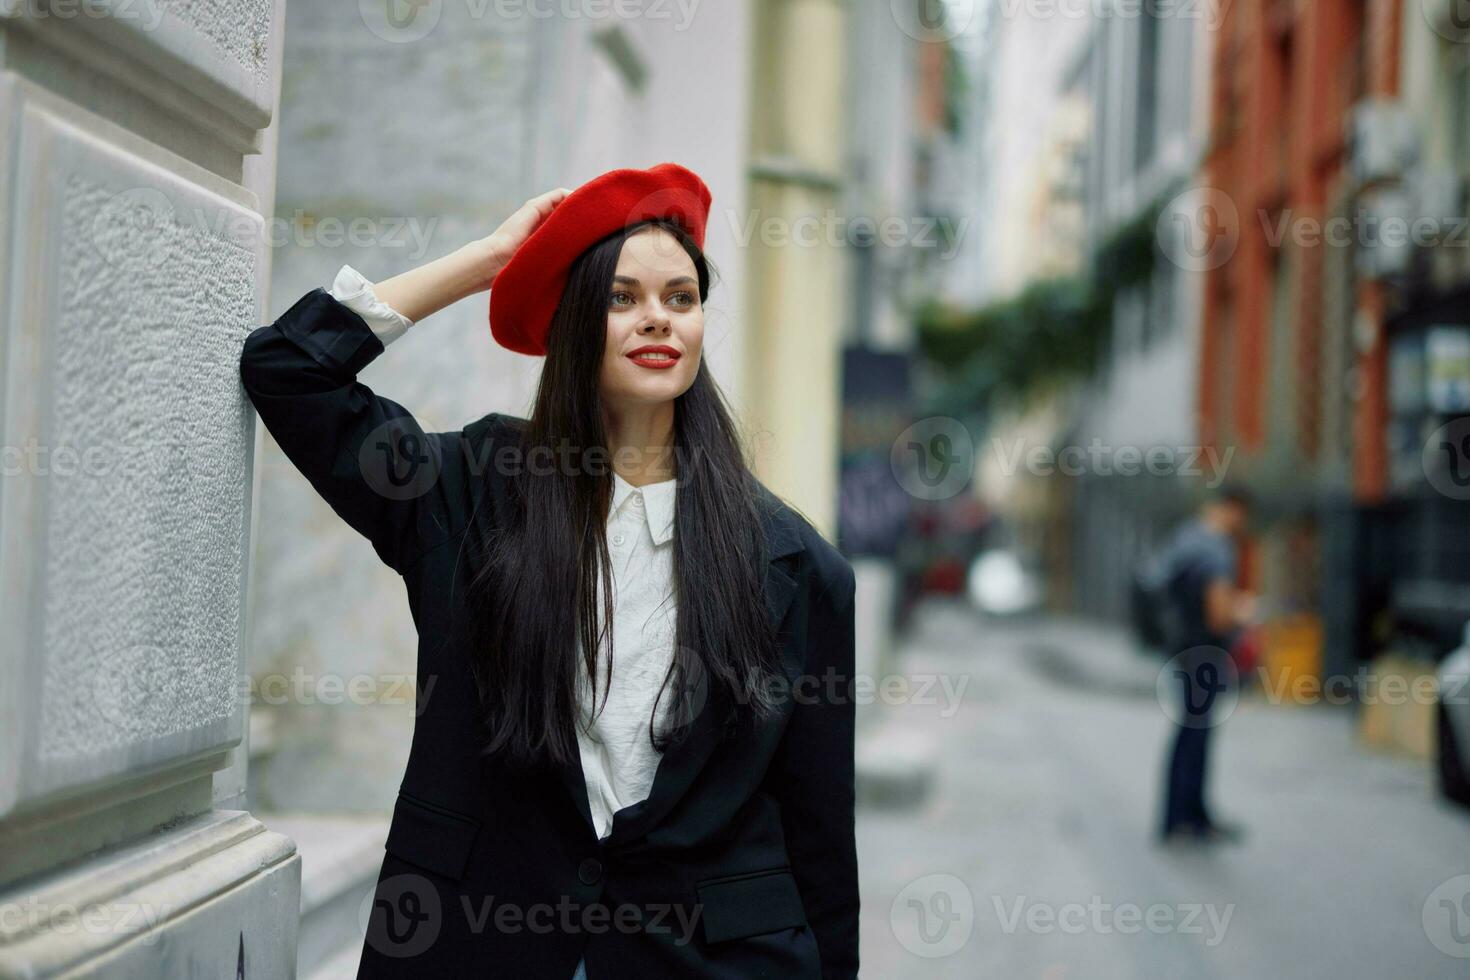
590 871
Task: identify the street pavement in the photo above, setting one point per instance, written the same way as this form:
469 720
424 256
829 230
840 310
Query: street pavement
1033 858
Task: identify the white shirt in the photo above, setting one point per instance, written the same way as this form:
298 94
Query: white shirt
618 760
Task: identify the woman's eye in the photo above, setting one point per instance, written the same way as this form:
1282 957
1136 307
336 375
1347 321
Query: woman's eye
623 293
684 298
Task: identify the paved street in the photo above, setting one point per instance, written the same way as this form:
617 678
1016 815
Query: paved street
1045 798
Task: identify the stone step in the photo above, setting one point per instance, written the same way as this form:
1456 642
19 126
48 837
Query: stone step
895 766
341 854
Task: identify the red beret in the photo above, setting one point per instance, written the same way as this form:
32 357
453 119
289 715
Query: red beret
526 292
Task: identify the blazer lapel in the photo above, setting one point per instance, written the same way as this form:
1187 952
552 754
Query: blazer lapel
682 762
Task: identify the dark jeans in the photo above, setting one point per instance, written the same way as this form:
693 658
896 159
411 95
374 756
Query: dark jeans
1199 684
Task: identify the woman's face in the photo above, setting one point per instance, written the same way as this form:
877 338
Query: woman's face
655 324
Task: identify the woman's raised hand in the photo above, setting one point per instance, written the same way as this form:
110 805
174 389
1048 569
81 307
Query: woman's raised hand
469 269
503 242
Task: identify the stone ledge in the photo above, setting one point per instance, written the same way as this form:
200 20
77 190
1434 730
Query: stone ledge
221 870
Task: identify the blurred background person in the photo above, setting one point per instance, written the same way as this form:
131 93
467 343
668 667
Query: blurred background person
1200 568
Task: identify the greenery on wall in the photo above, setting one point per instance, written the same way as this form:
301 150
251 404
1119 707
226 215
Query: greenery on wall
1053 332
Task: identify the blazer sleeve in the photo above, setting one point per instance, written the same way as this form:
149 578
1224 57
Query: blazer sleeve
365 455
814 781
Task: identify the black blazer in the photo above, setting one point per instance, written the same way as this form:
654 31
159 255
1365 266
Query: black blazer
742 861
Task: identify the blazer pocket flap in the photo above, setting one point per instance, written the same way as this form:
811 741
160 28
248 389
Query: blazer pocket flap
747 905
433 837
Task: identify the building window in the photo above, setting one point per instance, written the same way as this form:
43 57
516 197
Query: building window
1146 132
1159 322
1458 63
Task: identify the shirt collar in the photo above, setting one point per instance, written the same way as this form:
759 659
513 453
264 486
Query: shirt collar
658 504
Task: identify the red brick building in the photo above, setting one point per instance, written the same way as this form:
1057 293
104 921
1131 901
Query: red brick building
1285 378
1313 361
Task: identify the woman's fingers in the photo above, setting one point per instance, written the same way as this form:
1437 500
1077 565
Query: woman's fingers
519 226
543 204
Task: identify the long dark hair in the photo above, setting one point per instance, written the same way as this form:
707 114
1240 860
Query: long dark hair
533 612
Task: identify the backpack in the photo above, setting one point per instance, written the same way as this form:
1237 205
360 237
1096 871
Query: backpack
1151 612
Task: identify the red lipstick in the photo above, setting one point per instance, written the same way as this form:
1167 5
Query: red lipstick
646 356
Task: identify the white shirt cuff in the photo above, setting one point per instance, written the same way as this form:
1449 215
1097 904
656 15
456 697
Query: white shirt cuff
356 293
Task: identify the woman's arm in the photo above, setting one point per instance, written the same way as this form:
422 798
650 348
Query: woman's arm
364 454
472 269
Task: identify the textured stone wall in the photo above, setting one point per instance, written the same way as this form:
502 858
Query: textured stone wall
132 265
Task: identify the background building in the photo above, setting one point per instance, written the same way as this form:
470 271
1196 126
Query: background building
1278 334
1147 80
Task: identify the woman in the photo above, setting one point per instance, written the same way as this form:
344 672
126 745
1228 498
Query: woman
633 754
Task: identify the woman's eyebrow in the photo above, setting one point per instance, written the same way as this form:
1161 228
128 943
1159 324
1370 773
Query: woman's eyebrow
630 281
